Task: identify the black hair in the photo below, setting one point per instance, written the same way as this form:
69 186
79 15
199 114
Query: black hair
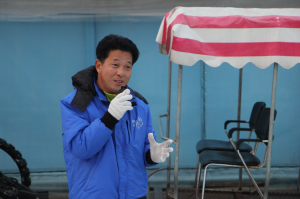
116 42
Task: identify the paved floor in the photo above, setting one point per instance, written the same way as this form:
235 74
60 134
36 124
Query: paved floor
53 195
190 193
221 179
160 193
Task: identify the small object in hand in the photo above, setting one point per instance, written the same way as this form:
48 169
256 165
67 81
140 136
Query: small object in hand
121 90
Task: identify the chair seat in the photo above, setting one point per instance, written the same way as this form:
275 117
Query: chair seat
227 157
219 145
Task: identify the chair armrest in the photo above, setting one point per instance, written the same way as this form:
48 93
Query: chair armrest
267 141
235 121
240 141
237 129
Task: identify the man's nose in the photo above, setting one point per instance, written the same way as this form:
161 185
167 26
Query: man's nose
120 71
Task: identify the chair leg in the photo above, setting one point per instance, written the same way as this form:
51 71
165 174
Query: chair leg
197 166
198 180
203 186
250 176
254 183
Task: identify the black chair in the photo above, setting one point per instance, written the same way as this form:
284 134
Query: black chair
238 158
221 145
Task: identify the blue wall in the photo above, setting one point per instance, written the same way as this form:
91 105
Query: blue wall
37 60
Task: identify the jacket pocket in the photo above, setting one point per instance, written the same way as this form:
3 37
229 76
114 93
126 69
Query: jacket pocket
90 181
128 131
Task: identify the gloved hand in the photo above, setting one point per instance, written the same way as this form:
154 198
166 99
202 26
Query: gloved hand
120 104
159 151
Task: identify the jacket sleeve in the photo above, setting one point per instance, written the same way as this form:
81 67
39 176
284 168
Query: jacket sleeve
149 129
83 138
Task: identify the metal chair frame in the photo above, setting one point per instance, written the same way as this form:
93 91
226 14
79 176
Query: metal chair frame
245 166
262 104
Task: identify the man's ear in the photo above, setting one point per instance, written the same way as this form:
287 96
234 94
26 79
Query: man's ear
98 65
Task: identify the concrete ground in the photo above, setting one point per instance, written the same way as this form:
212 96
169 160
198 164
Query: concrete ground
282 180
160 193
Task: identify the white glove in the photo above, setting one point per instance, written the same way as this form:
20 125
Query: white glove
159 151
120 104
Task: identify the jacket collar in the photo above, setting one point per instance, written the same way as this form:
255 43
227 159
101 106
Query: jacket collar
83 81
100 94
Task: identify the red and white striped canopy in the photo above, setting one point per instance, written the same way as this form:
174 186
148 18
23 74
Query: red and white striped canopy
233 35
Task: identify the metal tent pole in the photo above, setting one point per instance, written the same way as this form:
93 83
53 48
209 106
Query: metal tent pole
168 119
179 89
239 118
271 124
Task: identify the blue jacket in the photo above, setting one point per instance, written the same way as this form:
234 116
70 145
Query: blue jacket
105 158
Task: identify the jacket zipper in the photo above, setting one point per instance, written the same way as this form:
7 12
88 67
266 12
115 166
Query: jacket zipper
128 131
115 145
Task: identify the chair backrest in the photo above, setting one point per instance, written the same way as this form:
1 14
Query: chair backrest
257 108
262 125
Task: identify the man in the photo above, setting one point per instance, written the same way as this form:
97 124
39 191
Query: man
108 136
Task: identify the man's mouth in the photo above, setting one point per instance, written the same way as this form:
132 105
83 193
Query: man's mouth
119 81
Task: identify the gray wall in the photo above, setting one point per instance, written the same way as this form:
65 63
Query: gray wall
37 60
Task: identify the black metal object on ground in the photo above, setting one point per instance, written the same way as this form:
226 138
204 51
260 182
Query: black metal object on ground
189 193
19 160
10 188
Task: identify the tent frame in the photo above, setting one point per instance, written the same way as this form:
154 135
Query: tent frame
178 114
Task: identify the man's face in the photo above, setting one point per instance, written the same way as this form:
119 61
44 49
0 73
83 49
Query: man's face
115 72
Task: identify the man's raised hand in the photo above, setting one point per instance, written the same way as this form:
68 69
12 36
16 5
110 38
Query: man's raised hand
159 151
